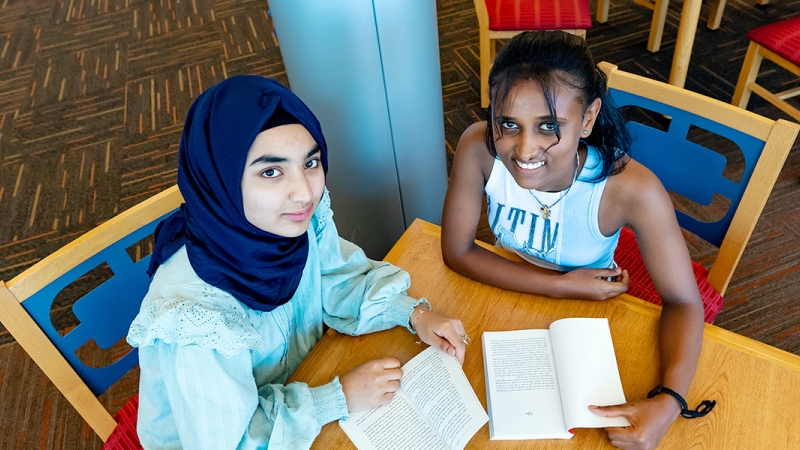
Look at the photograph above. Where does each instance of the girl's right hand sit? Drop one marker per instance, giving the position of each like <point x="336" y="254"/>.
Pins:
<point x="371" y="384"/>
<point x="594" y="284"/>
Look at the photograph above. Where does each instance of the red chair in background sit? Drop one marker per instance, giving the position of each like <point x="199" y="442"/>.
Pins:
<point x="780" y="43"/>
<point x="504" y="19"/>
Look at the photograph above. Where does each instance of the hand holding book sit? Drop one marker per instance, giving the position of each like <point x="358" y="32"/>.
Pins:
<point x="650" y="419"/>
<point x="539" y="383"/>
<point x="440" y="331"/>
<point x="435" y="408"/>
<point x="371" y="384"/>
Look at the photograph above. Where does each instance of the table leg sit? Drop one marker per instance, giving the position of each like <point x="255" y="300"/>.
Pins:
<point x="683" y="47"/>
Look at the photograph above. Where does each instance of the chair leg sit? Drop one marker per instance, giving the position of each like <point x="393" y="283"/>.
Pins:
<point x="602" y="10"/>
<point x="486" y="60"/>
<point x="657" y="25"/>
<point x="715" y="15"/>
<point x="752" y="62"/>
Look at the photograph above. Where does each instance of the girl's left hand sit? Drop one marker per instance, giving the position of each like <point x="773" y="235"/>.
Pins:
<point x="650" y="419"/>
<point x="443" y="332"/>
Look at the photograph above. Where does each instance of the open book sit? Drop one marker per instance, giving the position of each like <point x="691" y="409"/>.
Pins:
<point x="540" y="383"/>
<point x="435" y="408"/>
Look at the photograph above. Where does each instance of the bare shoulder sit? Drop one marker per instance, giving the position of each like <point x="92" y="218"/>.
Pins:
<point x="472" y="139"/>
<point x="631" y="197"/>
<point x="472" y="150"/>
<point x="635" y="185"/>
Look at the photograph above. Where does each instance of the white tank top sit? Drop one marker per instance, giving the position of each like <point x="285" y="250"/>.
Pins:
<point x="570" y="238"/>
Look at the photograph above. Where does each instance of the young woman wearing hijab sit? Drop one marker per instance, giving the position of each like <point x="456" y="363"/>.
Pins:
<point x="245" y="275"/>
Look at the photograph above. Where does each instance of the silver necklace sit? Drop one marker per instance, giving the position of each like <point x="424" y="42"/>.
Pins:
<point x="545" y="209"/>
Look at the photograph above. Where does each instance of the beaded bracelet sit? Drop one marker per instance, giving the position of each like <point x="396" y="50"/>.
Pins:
<point x="704" y="408"/>
<point x="415" y="316"/>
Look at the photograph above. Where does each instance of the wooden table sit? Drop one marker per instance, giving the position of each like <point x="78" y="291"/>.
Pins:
<point x="757" y="387"/>
<point x="687" y="28"/>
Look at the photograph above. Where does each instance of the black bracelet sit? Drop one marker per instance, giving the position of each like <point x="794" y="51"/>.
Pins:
<point x="704" y="408"/>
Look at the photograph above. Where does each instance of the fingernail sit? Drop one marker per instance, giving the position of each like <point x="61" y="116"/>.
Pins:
<point x="451" y="352"/>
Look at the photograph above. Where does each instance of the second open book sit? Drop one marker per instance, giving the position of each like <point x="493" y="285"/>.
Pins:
<point x="540" y="383"/>
<point x="435" y="409"/>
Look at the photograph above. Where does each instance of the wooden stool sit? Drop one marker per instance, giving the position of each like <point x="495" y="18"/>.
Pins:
<point x="504" y="19"/>
<point x="779" y="43"/>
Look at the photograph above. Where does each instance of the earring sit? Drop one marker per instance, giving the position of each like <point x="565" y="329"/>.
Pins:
<point x="585" y="132"/>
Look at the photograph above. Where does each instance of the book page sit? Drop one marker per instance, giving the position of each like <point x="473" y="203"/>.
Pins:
<point x="521" y="386"/>
<point x="587" y="371"/>
<point x="395" y="426"/>
<point x="435" y="383"/>
<point x="433" y="386"/>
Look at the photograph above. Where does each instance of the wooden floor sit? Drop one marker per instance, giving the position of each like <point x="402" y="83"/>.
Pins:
<point x="92" y="96"/>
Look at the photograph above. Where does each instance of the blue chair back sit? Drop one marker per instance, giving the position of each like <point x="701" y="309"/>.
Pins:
<point x="687" y="168"/>
<point x="698" y="173"/>
<point x="105" y="313"/>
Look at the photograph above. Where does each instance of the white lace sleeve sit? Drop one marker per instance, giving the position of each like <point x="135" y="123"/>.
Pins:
<point x="182" y="309"/>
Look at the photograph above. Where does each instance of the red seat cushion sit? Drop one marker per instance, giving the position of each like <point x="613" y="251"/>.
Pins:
<point x="781" y="37"/>
<point x="530" y="15"/>
<point x="628" y="257"/>
<point x="124" y="436"/>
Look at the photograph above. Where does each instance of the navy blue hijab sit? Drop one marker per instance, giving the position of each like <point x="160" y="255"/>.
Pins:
<point x="260" y="269"/>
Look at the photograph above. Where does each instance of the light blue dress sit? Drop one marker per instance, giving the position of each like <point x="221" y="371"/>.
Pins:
<point x="213" y="371"/>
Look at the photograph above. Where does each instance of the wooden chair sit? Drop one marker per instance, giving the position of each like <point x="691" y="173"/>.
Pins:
<point x="715" y="13"/>
<point x="780" y="43"/>
<point x="696" y="172"/>
<point x="105" y="313"/>
<point x="659" y="8"/>
<point x="504" y="19"/>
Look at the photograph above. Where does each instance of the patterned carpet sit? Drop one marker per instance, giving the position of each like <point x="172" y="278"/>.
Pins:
<point x="92" y="97"/>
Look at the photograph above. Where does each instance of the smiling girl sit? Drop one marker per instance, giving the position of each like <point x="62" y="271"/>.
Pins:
<point x="245" y="275"/>
<point x="552" y="160"/>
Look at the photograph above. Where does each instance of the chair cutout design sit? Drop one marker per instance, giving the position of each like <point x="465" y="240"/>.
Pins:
<point x="105" y="313"/>
<point x="504" y="19"/>
<point x="764" y="143"/>
<point x="780" y="43"/>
